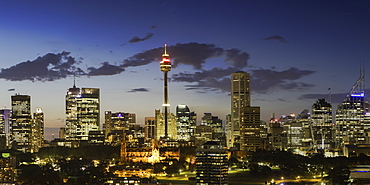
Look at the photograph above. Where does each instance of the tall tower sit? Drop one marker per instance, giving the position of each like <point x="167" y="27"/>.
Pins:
<point x="21" y="122"/>
<point x="82" y="112"/>
<point x="240" y="98"/>
<point x="165" y="66"/>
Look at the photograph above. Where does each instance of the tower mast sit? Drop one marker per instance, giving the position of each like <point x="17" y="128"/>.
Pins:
<point x="165" y="66"/>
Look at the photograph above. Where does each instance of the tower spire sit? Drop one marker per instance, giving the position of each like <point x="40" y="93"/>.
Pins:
<point x="165" y="66"/>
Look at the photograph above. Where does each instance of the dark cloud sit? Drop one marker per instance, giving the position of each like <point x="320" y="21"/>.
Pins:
<point x="265" y="80"/>
<point x="153" y="26"/>
<point x="276" y="37"/>
<point x="46" y="68"/>
<point x="139" y="90"/>
<point x="137" y="39"/>
<point x="335" y="98"/>
<point x="194" y="54"/>
<point x="262" y="80"/>
<point x="237" y="58"/>
<point x="105" y="69"/>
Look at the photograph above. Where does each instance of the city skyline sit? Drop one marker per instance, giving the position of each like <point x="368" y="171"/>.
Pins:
<point x="294" y="51"/>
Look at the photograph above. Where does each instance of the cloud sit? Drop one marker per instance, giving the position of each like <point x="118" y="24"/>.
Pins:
<point x="137" y="39"/>
<point x="153" y="26"/>
<point x="49" y="67"/>
<point x="105" y="69"/>
<point x="335" y="98"/>
<point x="139" y="90"/>
<point x="276" y="37"/>
<point x="266" y="80"/>
<point x="194" y="54"/>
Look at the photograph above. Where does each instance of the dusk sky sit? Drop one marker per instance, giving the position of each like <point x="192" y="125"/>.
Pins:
<point x="294" y="51"/>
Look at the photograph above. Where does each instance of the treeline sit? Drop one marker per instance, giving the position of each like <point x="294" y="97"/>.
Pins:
<point x="278" y="164"/>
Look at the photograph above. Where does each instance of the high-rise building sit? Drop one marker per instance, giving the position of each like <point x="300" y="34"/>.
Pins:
<point x="240" y="98"/>
<point x="250" y="129"/>
<point x="5" y="128"/>
<point x="149" y="128"/>
<point x="82" y="112"/>
<point x="21" y="123"/>
<point x="245" y="119"/>
<point x="322" y="125"/>
<point x="116" y="123"/>
<point x="211" y="164"/>
<point x="214" y="122"/>
<point x="37" y="138"/>
<point x="161" y="128"/>
<point x="186" y="122"/>
<point x="350" y="116"/>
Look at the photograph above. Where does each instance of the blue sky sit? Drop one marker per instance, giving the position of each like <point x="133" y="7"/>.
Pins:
<point x="294" y="50"/>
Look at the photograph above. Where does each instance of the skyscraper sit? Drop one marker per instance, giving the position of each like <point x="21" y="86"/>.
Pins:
<point x="160" y="126"/>
<point x="186" y="122"/>
<point x="149" y="128"/>
<point x="245" y="120"/>
<point x="21" y="122"/>
<point x="37" y="130"/>
<point x="116" y="123"/>
<point x="212" y="164"/>
<point x="5" y="128"/>
<point x="321" y="124"/>
<point x="350" y="116"/>
<point x="82" y="112"/>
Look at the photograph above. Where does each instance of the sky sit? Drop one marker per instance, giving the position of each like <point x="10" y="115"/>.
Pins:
<point x="295" y="52"/>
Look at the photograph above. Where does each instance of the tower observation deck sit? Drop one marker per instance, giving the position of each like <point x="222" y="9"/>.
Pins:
<point x="165" y="66"/>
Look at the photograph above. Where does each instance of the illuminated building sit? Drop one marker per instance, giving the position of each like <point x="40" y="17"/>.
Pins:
<point x="322" y="124"/>
<point x="250" y="129"/>
<point x="165" y="66"/>
<point x="186" y="122"/>
<point x="211" y="164"/>
<point x="5" y="128"/>
<point x="203" y="133"/>
<point x="115" y="124"/>
<point x="149" y="128"/>
<point x="8" y="165"/>
<point x="21" y="123"/>
<point x="350" y="117"/>
<point x="82" y="112"/>
<point x="240" y="99"/>
<point x="160" y="126"/>
<point x="37" y="130"/>
<point x="214" y="122"/>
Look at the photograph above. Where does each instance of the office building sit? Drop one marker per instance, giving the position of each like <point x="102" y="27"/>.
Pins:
<point x="186" y="122"/>
<point x="240" y="98"/>
<point x="211" y="164"/>
<point x="161" y="127"/>
<point x="350" y="117"/>
<point x="116" y="123"/>
<point x="82" y="112"/>
<point x="250" y="129"/>
<point x="5" y="128"/>
<point x="37" y="138"/>
<point x="322" y="125"/>
<point x="21" y="128"/>
<point x="149" y="128"/>
<point x="8" y="171"/>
